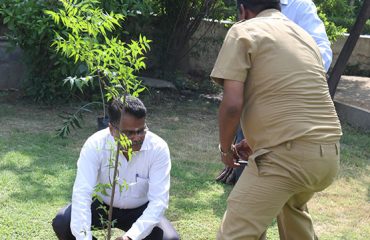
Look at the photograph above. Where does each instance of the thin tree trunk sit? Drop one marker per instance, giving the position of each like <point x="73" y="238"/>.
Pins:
<point x="109" y="230"/>
<point x="102" y="94"/>
<point x="348" y="47"/>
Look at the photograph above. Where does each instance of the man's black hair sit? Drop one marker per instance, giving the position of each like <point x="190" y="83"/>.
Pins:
<point x="258" y="6"/>
<point x="132" y="106"/>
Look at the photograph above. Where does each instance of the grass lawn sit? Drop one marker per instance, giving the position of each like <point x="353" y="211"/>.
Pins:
<point x="37" y="172"/>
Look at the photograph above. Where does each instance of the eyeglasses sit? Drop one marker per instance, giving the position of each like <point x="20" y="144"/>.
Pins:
<point x="130" y="133"/>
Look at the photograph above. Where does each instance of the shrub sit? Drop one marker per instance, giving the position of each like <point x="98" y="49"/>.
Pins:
<point x="87" y="36"/>
<point x="342" y="13"/>
<point x="31" y="30"/>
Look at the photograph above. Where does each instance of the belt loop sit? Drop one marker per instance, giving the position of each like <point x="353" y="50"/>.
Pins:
<point x="321" y="150"/>
<point x="288" y="145"/>
<point x="336" y="149"/>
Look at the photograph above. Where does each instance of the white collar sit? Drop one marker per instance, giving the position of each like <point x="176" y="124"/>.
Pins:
<point x="285" y="2"/>
<point x="146" y="145"/>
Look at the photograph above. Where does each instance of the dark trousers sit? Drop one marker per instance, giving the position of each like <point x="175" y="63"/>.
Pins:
<point x="238" y="138"/>
<point x="125" y="218"/>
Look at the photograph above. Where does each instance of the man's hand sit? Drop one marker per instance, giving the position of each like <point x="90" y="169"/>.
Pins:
<point x="123" y="238"/>
<point x="239" y="151"/>
<point x="229" y="160"/>
<point x="242" y="150"/>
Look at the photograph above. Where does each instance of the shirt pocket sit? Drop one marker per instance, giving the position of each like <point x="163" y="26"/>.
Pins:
<point x="138" y="189"/>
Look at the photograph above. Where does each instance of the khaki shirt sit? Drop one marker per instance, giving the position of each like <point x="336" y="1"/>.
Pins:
<point x="286" y="95"/>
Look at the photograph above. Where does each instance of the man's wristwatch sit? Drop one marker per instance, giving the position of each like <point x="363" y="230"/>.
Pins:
<point x="224" y="154"/>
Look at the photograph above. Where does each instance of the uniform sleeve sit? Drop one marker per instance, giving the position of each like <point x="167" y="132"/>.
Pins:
<point x="234" y="58"/>
<point x="307" y="18"/>
<point x="86" y="179"/>
<point x="158" y="195"/>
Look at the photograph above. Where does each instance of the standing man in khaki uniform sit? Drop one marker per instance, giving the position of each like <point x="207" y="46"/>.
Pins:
<point x="274" y="84"/>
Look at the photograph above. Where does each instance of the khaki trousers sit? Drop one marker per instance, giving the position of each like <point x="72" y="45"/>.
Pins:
<point x="279" y="181"/>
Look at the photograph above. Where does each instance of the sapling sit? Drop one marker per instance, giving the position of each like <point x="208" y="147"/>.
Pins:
<point x="88" y="37"/>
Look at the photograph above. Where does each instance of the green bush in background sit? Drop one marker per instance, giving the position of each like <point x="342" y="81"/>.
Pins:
<point x="169" y="23"/>
<point x="87" y="38"/>
<point x="342" y="13"/>
<point x="31" y="30"/>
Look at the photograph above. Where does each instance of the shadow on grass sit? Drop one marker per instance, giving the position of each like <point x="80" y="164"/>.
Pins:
<point x="44" y="166"/>
<point x="196" y="190"/>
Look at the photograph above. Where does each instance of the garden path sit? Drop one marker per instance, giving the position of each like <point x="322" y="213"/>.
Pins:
<point x="354" y="91"/>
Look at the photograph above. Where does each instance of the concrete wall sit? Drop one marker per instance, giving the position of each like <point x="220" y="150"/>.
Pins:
<point x="361" y="53"/>
<point x="203" y="56"/>
<point x="209" y="38"/>
<point x="12" y="69"/>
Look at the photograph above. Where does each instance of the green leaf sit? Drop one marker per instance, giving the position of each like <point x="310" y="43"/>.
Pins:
<point x="6" y="19"/>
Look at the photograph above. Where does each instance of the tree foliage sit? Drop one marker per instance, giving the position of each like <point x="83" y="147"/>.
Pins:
<point x="171" y="22"/>
<point x="177" y="21"/>
<point x="31" y="30"/>
<point x="332" y="30"/>
<point x="341" y="14"/>
<point x="86" y="37"/>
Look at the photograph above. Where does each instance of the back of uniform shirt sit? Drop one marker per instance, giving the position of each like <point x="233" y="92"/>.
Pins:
<point x="286" y="94"/>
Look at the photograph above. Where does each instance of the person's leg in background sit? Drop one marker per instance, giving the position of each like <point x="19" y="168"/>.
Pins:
<point x="239" y="138"/>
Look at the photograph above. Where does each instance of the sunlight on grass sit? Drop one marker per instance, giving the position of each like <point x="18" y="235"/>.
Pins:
<point x="37" y="172"/>
<point x="15" y="160"/>
<point x="343" y="211"/>
<point x="8" y="182"/>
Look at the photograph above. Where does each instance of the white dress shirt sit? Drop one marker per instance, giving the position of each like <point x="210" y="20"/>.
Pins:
<point x="147" y="176"/>
<point x="304" y="14"/>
